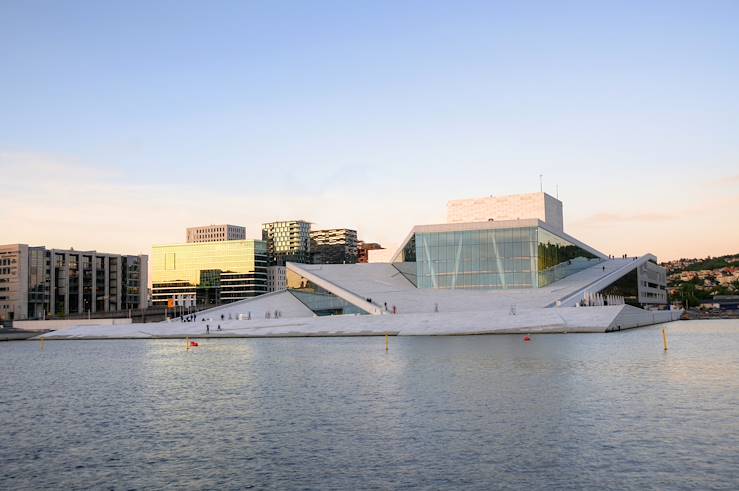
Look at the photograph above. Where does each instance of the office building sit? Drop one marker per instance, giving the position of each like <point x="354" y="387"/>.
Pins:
<point x="287" y="241"/>
<point x="334" y="246"/>
<point x="37" y="283"/>
<point x="215" y="233"/>
<point x="209" y="272"/>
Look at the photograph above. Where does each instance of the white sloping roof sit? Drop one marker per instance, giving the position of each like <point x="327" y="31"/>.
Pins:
<point x="284" y="301"/>
<point x="384" y="284"/>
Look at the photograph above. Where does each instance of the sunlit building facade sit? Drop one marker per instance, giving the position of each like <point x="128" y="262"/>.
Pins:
<point x="44" y="283"/>
<point x="211" y="272"/>
<point x="215" y="233"/>
<point x="287" y="241"/>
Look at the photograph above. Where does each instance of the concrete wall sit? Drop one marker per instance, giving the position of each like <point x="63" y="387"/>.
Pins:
<point x="64" y="323"/>
<point x="650" y="274"/>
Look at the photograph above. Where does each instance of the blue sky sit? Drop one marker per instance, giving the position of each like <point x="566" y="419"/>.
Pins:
<point x="122" y="123"/>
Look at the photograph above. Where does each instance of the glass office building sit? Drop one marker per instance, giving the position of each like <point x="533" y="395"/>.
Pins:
<point x="491" y="258"/>
<point x="210" y="272"/>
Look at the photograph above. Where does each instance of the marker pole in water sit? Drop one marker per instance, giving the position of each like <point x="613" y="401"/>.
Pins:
<point x="387" y="343"/>
<point x="664" y="337"/>
<point x="41" y="344"/>
<point x="187" y="343"/>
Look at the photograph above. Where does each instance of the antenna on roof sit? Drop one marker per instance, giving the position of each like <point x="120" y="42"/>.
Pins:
<point x="541" y="183"/>
<point x="557" y="188"/>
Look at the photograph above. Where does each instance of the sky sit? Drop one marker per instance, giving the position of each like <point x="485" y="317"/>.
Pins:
<point x="122" y="123"/>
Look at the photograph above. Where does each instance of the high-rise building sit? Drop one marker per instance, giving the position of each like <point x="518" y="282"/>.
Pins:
<point x="209" y="272"/>
<point x="363" y="249"/>
<point x="287" y="241"/>
<point x="334" y="246"/>
<point x="215" y="233"/>
<point x="36" y="282"/>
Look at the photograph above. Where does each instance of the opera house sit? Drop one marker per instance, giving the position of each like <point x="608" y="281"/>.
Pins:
<point x="498" y="265"/>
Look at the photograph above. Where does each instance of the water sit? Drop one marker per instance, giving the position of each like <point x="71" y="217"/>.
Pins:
<point x="610" y="411"/>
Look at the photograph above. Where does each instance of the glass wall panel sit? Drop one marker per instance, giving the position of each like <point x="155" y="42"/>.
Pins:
<point x="524" y="257"/>
<point x="474" y="259"/>
<point x="320" y="301"/>
<point x="558" y="258"/>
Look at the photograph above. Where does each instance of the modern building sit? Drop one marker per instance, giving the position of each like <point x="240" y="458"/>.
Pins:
<point x="37" y="283"/>
<point x="518" y="267"/>
<point x="276" y="278"/>
<point x="210" y="272"/>
<point x="516" y="273"/>
<point x="334" y="246"/>
<point x="215" y="233"/>
<point x="363" y="249"/>
<point x="287" y="241"/>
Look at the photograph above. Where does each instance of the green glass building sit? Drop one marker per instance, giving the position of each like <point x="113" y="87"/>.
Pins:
<point x="209" y="272"/>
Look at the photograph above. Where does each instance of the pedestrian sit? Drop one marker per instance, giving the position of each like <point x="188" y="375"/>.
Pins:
<point x="222" y="317"/>
<point x="218" y="328"/>
<point x="604" y="268"/>
<point x="207" y="329"/>
<point x="385" y="306"/>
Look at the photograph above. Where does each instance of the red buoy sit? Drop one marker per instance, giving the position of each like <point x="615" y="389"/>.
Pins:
<point x="526" y="338"/>
<point x="194" y="343"/>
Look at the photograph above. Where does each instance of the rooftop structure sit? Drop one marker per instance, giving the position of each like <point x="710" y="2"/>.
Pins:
<point x="215" y="233"/>
<point x="513" y="207"/>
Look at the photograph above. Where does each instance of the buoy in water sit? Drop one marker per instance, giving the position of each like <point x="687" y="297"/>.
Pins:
<point x="526" y="338"/>
<point x="194" y="343"/>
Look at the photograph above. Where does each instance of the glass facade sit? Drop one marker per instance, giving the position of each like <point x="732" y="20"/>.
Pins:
<point x="213" y="272"/>
<point x="500" y="258"/>
<point x="287" y="242"/>
<point x="558" y="258"/>
<point x="320" y="301"/>
<point x="38" y="282"/>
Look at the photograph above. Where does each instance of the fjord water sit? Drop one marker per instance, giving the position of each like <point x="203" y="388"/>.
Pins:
<point x="611" y="411"/>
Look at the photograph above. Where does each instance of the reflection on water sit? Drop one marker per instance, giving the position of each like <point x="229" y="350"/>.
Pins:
<point x="611" y="411"/>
